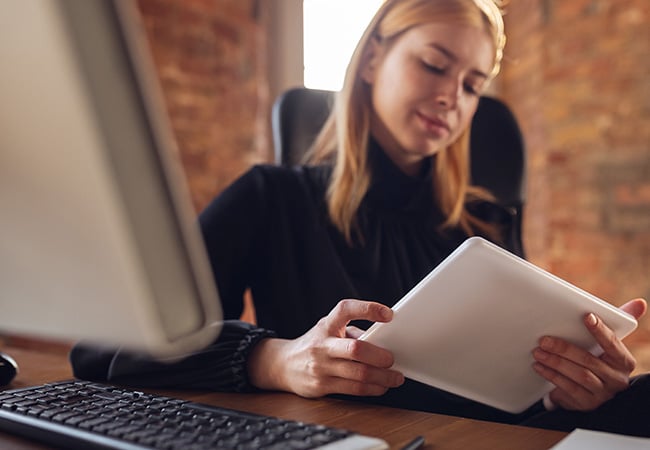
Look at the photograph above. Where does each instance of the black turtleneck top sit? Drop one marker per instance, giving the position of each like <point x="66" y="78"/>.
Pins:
<point x="270" y="232"/>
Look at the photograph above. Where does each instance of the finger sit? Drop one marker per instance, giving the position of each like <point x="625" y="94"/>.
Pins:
<point x="355" y="371"/>
<point x="335" y="385"/>
<point x="568" y="394"/>
<point x="361" y="351"/>
<point x="577" y="371"/>
<point x="562" y="399"/>
<point x="558" y="353"/>
<point x="615" y="353"/>
<point x="351" y="309"/>
<point x="571" y="377"/>
<point x="636" y="308"/>
<point x="613" y="367"/>
<point x="580" y="366"/>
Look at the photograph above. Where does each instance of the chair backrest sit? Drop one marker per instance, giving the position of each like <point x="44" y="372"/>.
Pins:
<point x="497" y="147"/>
<point x="297" y="117"/>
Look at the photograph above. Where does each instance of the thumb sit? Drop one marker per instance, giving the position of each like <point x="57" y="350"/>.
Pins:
<point x="637" y="307"/>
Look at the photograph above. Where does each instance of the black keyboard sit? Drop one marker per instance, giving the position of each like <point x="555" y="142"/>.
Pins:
<point x="87" y="415"/>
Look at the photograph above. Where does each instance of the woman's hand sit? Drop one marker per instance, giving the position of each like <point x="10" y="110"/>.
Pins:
<point x="328" y="358"/>
<point x="584" y="381"/>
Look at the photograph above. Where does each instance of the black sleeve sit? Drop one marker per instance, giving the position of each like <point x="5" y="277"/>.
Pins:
<point x="219" y="367"/>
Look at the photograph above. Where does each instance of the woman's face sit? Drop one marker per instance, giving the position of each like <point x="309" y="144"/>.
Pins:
<point x="425" y="89"/>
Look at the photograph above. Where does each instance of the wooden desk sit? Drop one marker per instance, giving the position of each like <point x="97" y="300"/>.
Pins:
<point x="396" y="426"/>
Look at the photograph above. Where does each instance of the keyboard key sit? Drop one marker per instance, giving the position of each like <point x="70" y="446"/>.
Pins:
<point x="133" y="417"/>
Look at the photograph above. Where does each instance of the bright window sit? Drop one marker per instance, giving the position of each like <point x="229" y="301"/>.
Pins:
<point x="332" y="29"/>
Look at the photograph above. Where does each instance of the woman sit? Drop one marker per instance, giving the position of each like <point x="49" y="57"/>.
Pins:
<point x="385" y="199"/>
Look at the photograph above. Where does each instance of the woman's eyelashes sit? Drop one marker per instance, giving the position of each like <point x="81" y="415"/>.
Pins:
<point x="438" y="69"/>
<point x="472" y="89"/>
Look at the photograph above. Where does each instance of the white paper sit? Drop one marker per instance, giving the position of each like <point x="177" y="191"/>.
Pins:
<point x="598" y="440"/>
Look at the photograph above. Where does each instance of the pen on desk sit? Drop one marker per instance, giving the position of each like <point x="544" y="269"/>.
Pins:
<point x="414" y="444"/>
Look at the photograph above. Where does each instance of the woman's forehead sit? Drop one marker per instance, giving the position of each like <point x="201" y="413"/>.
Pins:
<point x="465" y="43"/>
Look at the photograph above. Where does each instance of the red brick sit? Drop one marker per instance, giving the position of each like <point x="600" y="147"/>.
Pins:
<point x="208" y="58"/>
<point x="579" y="87"/>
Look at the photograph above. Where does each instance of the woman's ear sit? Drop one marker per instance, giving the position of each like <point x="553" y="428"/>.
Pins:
<point x="370" y="60"/>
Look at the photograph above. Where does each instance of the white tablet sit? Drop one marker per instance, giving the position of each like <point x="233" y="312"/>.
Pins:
<point x="469" y="327"/>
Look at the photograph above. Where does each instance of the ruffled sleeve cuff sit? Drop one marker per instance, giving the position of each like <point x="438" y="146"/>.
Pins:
<point x="219" y="367"/>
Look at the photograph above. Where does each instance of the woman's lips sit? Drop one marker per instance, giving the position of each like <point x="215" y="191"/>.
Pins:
<point x="434" y="124"/>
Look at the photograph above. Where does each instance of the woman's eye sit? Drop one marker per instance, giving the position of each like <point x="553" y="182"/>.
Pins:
<point x="471" y="89"/>
<point x="474" y="87"/>
<point x="433" y="68"/>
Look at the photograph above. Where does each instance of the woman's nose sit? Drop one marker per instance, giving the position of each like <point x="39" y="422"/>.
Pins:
<point x="447" y="93"/>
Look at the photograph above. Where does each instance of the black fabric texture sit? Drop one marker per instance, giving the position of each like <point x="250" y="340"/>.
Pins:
<point x="218" y="367"/>
<point x="627" y="413"/>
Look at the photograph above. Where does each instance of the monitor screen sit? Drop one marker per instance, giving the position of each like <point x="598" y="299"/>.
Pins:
<point x="98" y="239"/>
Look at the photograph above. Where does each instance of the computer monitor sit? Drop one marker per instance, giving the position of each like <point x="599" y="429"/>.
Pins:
<point x="98" y="240"/>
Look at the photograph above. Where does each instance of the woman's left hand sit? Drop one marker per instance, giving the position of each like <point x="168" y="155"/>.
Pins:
<point x="584" y="381"/>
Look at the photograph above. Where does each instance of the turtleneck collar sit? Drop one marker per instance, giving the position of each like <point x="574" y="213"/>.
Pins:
<point x="392" y="189"/>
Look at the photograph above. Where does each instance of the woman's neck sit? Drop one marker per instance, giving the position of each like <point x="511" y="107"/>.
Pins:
<point x="410" y="165"/>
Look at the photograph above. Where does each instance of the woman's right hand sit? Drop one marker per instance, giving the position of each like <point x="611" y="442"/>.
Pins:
<point x="328" y="359"/>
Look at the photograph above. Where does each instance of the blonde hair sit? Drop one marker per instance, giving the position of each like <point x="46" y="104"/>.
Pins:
<point x="344" y="137"/>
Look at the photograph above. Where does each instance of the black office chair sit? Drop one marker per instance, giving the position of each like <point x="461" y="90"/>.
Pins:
<point x="496" y="146"/>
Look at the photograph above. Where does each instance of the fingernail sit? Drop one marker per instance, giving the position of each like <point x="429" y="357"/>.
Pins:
<point x="546" y="343"/>
<point x="386" y="313"/>
<point x="540" y="354"/>
<point x="592" y="320"/>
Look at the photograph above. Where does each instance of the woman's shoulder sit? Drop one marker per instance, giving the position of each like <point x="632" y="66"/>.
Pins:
<point x="274" y="177"/>
<point x="266" y="190"/>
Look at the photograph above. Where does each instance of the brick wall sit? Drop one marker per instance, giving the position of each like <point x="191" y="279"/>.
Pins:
<point x="214" y="80"/>
<point x="578" y="77"/>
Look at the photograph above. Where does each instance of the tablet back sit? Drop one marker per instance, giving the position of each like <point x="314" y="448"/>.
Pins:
<point x="469" y="327"/>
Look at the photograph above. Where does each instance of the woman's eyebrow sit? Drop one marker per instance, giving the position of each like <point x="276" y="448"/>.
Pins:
<point x="451" y="55"/>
